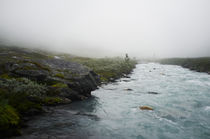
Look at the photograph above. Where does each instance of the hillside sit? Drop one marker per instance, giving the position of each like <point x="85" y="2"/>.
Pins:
<point x="31" y="79"/>
<point x="198" y="64"/>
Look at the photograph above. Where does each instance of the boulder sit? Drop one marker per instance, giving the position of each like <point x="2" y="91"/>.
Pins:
<point x="69" y="93"/>
<point x="146" y="108"/>
<point x="39" y="75"/>
<point x="10" y="66"/>
<point x="154" y="93"/>
<point x="128" y="89"/>
<point x="84" y="85"/>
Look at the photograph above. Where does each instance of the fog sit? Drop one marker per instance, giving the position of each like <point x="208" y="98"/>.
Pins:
<point x="98" y="28"/>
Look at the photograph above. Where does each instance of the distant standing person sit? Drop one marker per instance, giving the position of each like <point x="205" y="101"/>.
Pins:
<point x="126" y="57"/>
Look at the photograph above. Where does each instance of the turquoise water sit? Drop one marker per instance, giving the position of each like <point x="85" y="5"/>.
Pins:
<point x="181" y="108"/>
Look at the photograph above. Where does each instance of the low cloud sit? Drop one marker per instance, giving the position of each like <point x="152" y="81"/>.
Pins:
<point x="97" y="28"/>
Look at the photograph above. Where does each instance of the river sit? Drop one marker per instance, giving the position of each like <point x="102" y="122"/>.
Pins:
<point x="180" y="99"/>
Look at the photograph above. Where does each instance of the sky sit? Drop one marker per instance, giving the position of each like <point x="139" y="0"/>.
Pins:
<point x="99" y="28"/>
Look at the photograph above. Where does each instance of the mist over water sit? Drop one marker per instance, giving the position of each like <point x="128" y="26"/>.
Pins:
<point x="142" y="28"/>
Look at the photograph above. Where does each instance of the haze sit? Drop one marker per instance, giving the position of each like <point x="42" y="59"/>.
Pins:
<point x="98" y="28"/>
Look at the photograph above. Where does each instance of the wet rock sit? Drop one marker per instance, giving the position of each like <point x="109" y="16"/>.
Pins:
<point x="126" y="76"/>
<point x="66" y="101"/>
<point x="81" y="97"/>
<point x="146" y="108"/>
<point x="128" y="89"/>
<point x="154" y="93"/>
<point x="69" y="93"/>
<point x="84" y="85"/>
<point x="126" y="80"/>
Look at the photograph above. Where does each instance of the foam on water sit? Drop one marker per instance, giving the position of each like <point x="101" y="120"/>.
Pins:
<point x="207" y="108"/>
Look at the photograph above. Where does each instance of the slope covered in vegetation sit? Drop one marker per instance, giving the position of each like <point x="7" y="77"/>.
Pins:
<point x="198" y="64"/>
<point x="30" y="79"/>
<point x="109" y="69"/>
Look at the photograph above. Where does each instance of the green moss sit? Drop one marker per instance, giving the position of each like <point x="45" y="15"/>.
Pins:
<point x="40" y="65"/>
<point x="23" y="104"/>
<point x="16" y="101"/>
<point x="50" y="56"/>
<point x="103" y="79"/>
<point x="107" y="75"/>
<point x="60" y="75"/>
<point x="9" y="120"/>
<point x="108" y="68"/>
<point x="26" y="57"/>
<point x="59" y="85"/>
<point x="52" y="100"/>
<point x="5" y="76"/>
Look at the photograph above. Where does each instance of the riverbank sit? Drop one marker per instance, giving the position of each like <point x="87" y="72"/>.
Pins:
<point x="197" y="64"/>
<point x="181" y="108"/>
<point x="31" y="79"/>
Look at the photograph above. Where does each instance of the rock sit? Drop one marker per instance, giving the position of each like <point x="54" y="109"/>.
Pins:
<point x="66" y="101"/>
<point x="57" y="57"/>
<point x="154" y="93"/>
<point x="82" y="97"/>
<point x="128" y="89"/>
<point x="146" y="108"/>
<point x="58" y="64"/>
<point x="126" y="76"/>
<point x="39" y="75"/>
<point x="69" y="93"/>
<point x="126" y="80"/>
<point x="84" y="85"/>
<point x="9" y="66"/>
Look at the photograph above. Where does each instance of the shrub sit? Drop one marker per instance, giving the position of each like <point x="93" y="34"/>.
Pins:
<point x="60" y="85"/>
<point x="108" y="68"/>
<point x="59" y="75"/>
<point x="21" y="93"/>
<point x="23" y="85"/>
<point x="52" y="100"/>
<point x="9" y="120"/>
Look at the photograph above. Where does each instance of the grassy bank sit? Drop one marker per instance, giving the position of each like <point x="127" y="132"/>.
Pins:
<point x="30" y="80"/>
<point x="197" y="64"/>
<point x="109" y="69"/>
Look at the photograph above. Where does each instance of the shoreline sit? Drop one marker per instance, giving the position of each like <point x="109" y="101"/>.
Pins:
<point x="30" y="80"/>
<point x="201" y="64"/>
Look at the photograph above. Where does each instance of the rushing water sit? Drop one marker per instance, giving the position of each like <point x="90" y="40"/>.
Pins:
<point x="181" y="108"/>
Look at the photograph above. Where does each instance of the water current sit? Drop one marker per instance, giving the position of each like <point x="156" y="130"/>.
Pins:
<point x="180" y="99"/>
